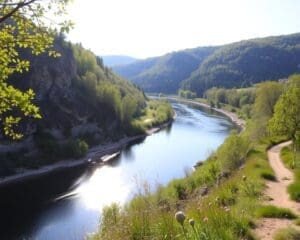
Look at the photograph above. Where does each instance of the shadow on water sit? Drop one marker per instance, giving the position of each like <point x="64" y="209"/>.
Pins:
<point x="21" y="202"/>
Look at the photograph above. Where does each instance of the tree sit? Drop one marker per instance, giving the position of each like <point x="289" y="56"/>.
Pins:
<point x="286" y="118"/>
<point x="129" y="108"/>
<point x="24" y="25"/>
<point x="267" y="95"/>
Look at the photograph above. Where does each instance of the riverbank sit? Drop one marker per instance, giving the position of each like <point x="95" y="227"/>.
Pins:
<point x="94" y="155"/>
<point x="232" y="116"/>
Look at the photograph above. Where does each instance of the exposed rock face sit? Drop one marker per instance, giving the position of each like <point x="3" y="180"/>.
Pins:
<point x="64" y="112"/>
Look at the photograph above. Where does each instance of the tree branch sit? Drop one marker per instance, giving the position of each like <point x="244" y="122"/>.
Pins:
<point x="15" y="9"/>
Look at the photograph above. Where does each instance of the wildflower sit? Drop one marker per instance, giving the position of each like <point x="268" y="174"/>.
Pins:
<point x="192" y="222"/>
<point x="244" y="178"/>
<point x="210" y="203"/>
<point x="205" y="219"/>
<point x="180" y="217"/>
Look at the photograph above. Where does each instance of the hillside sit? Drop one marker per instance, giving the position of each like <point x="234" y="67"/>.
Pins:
<point x="165" y="73"/>
<point x="233" y="65"/>
<point x="116" y="60"/>
<point x="244" y="63"/>
<point x="79" y="99"/>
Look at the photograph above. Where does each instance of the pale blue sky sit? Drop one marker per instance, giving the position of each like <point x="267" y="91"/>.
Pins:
<point x="146" y="28"/>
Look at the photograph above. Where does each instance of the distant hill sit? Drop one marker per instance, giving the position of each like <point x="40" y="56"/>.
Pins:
<point x="231" y="65"/>
<point x="165" y="73"/>
<point x="244" y="63"/>
<point x="115" y="60"/>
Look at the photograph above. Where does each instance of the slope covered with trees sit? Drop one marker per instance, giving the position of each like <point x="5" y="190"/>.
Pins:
<point x="244" y="63"/>
<point x="81" y="103"/>
<point x="165" y="73"/>
<point x="238" y="65"/>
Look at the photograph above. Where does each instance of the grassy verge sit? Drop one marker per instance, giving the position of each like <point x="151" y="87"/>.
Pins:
<point x="287" y="234"/>
<point x="288" y="159"/>
<point x="219" y="199"/>
<point x="270" y="211"/>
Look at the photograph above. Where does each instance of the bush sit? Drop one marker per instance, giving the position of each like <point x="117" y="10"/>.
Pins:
<point x="270" y="211"/>
<point x="233" y="152"/>
<point x="76" y="148"/>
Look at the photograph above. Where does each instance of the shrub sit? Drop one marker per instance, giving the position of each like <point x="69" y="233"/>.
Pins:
<point x="76" y="148"/>
<point x="233" y="152"/>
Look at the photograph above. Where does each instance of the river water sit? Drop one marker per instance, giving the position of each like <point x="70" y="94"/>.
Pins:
<point x="80" y="194"/>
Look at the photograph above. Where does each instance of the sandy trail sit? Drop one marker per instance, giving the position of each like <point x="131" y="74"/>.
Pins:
<point x="277" y="191"/>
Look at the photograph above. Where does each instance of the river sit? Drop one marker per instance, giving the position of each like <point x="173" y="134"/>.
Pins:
<point x="67" y="205"/>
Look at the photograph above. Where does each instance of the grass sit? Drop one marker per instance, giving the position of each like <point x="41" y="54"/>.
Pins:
<point x="287" y="234"/>
<point x="226" y="212"/>
<point x="288" y="159"/>
<point x="270" y="211"/>
<point x="297" y="221"/>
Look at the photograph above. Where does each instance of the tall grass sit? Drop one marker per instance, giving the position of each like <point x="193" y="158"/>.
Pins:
<point x="270" y="211"/>
<point x="287" y="234"/>
<point x="287" y="156"/>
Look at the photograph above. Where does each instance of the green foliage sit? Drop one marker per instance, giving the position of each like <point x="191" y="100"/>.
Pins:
<point x="23" y="26"/>
<point x="294" y="191"/>
<point x="239" y="147"/>
<point x="286" y="119"/>
<point x="270" y="211"/>
<point x="156" y="113"/>
<point x="234" y="100"/>
<point x="289" y="159"/>
<point x="267" y="94"/>
<point x="238" y="65"/>
<point x="164" y="74"/>
<point x="245" y="63"/>
<point x="292" y="161"/>
<point x="99" y="87"/>
<point x="186" y="94"/>
<point x="53" y="150"/>
<point x="76" y="148"/>
<point x="287" y="234"/>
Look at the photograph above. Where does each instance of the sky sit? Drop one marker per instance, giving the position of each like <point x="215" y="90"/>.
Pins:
<point x="147" y="28"/>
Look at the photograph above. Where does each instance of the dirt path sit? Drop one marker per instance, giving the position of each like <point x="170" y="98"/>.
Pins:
<point x="277" y="191"/>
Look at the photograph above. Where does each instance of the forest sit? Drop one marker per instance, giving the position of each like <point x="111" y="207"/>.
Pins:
<point x="234" y="65"/>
